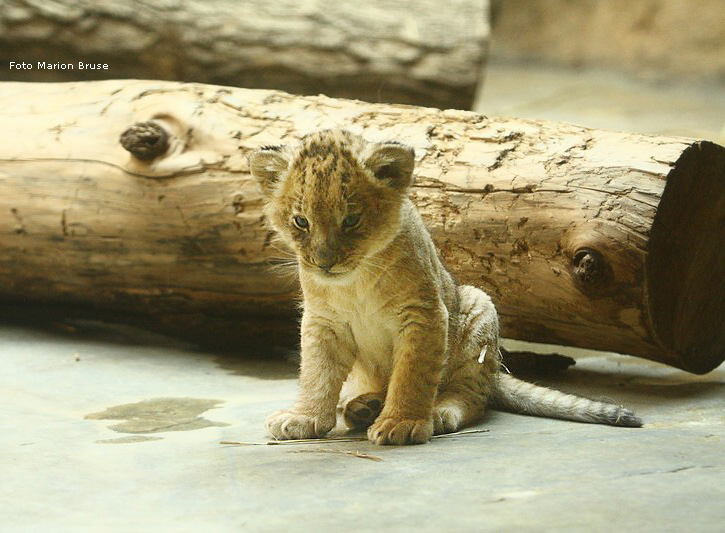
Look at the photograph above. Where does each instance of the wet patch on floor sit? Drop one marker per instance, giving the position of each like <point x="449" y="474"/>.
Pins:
<point x="159" y="415"/>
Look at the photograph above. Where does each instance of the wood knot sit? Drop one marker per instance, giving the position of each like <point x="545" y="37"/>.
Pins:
<point x="590" y="267"/>
<point x="145" y="140"/>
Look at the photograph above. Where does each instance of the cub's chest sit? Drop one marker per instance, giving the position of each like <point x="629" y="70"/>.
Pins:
<point x="373" y="324"/>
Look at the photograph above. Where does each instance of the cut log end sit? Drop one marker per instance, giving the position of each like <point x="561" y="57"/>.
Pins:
<point x="685" y="267"/>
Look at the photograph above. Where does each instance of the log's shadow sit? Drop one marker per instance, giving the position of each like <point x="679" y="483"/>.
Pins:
<point x="263" y="362"/>
<point x="257" y="354"/>
<point x="184" y="331"/>
<point x="635" y="386"/>
<point x="71" y="322"/>
<point x="261" y="355"/>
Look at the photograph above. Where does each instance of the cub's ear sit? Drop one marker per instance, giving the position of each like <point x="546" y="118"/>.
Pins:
<point x="267" y="165"/>
<point x="392" y="163"/>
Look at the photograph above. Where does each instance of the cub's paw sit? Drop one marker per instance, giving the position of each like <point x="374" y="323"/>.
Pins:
<point x="285" y="425"/>
<point x="446" y="419"/>
<point x="400" y="431"/>
<point x="362" y="411"/>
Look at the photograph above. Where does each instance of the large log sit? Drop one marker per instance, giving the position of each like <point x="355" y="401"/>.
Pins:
<point x="589" y="238"/>
<point x="377" y="50"/>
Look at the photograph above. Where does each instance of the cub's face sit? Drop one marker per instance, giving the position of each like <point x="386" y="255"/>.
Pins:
<point x="335" y="199"/>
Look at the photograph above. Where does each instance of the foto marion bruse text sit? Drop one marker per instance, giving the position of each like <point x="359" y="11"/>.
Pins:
<point x="43" y="65"/>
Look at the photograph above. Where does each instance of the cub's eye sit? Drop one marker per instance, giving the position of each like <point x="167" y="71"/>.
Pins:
<point x="300" y="222"/>
<point x="350" y="221"/>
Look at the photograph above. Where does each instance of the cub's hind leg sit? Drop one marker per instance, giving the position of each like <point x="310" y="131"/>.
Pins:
<point x="361" y="399"/>
<point x="362" y="410"/>
<point x="454" y="410"/>
<point x="469" y="378"/>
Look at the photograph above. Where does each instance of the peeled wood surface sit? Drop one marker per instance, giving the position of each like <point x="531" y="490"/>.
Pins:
<point x="418" y="52"/>
<point x="589" y="238"/>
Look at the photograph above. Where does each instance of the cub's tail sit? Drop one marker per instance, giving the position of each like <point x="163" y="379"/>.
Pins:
<point x="512" y="394"/>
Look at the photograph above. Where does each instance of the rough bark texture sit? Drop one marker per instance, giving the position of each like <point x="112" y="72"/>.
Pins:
<point x="377" y="50"/>
<point x="590" y="238"/>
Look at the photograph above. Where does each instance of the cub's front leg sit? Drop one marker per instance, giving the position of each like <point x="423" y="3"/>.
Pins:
<point x="327" y="354"/>
<point x="418" y="357"/>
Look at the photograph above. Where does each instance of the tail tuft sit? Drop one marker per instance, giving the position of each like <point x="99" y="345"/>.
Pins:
<point x="626" y="418"/>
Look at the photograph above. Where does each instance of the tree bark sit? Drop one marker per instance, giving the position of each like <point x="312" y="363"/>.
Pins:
<point x="377" y="50"/>
<point x="590" y="238"/>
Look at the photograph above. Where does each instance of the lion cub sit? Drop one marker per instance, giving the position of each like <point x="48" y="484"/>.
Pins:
<point x="386" y="332"/>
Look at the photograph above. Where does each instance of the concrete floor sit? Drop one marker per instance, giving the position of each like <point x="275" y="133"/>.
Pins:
<point x="108" y="428"/>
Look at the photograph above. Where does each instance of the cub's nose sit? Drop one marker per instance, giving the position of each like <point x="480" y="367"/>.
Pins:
<point x="325" y="259"/>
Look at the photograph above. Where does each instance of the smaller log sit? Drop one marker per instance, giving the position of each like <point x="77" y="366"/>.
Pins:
<point x="379" y="50"/>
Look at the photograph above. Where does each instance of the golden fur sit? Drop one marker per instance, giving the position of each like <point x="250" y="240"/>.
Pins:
<point x="386" y="332"/>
